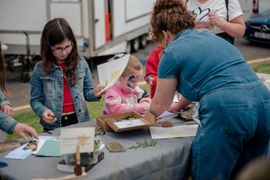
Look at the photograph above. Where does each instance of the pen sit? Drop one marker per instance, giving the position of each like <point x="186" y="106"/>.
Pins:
<point x="49" y="132"/>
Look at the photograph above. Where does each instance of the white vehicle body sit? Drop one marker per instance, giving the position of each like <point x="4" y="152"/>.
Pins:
<point x="101" y="27"/>
<point x="250" y="7"/>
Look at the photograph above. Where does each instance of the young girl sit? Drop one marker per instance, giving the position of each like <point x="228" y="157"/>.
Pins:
<point x="7" y="123"/>
<point x="125" y="95"/>
<point x="62" y="81"/>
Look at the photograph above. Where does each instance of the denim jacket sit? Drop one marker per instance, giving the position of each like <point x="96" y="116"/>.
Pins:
<point x="47" y="92"/>
<point x="7" y="123"/>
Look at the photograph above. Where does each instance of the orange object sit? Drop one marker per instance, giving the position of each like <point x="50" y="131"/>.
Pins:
<point x="107" y="26"/>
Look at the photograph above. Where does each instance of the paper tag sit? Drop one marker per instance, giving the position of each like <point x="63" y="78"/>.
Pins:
<point x="129" y="123"/>
<point x="115" y="146"/>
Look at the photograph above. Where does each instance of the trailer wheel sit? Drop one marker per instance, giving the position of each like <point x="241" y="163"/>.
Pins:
<point x="135" y="45"/>
<point x="26" y="75"/>
<point x="143" y="41"/>
<point x="128" y="47"/>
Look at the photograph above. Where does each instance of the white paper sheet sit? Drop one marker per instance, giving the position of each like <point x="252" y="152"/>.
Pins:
<point x="109" y="73"/>
<point x="166" y="115"/>
<point x="70" y="137"/>
<point x="176" y="98"/>
<point x="173" y="132"/>
<point x="19" y="153"/>
<point x="129" y="123"/>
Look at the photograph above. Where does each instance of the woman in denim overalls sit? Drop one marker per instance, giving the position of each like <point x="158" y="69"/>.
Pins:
<point x="234" y="104"/>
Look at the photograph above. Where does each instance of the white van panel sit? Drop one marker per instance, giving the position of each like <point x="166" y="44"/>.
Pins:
<point x="127" y="20"/>
<point x="99" y="23"/>
<point x="138" y="8"/>
<point x="71" y="12"/>
<point x="25" y="19"/>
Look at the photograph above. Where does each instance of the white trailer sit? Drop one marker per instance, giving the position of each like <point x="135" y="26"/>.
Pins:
<point x="250" y="7"/>
<point x="101" y="27"/>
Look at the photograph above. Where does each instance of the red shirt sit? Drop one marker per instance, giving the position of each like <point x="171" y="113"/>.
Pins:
<point x="68" y="105"/>
<point x="152" y="67"/>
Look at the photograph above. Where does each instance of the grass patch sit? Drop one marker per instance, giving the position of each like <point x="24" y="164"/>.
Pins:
<point x="262" y="67"/>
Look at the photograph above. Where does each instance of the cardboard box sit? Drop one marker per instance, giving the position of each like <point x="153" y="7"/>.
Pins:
<point x="114" y="122"/>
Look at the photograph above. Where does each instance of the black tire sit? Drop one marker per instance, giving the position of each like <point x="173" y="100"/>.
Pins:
<point x="128" y="47"/>
<point x="135" y="45"/>
<point x="143" y="41"/>
<point x="26" y="76"/>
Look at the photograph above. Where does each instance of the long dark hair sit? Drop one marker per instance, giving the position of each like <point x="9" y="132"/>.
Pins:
<point x="3" y="85"/>
<point x="55" y="32"/>
<point x="170" y="15"/>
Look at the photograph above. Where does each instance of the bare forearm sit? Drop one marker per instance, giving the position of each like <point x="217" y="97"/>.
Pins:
<point x="233" y="29"/>
<point x="157" y="108"/>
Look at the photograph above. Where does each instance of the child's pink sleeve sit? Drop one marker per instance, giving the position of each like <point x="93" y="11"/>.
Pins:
<point x="114" y="105"/>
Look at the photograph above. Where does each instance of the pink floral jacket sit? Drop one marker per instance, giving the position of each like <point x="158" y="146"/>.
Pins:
<point x="120" y="98"/>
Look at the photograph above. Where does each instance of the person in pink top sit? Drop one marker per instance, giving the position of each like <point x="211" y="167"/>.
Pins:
<point x="125" y="95"/>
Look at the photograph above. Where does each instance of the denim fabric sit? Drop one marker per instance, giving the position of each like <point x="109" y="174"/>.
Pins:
<point x="235" y="128"/>
<point x="234" y="104"/>
<point x="47" y="92"/>
<point x="198" y="59"/>
<point x="7" y="123"/>
<point x="3" y="99"/>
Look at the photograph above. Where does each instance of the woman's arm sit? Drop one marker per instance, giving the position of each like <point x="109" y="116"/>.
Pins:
<point x="236" y="27"/>
<point x="163" y="96"/>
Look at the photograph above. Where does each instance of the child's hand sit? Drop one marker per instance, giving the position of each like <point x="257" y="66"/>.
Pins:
<point x="145" y="106"/>
<point x="97" y="90"/>
<point x="8" y="109"/>
<point x="149" y="80"/>
<point x="48" y="116"/>
<point x="21" y="130"/>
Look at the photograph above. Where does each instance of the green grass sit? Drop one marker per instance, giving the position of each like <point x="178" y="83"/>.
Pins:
<point x="262" y="67"/>
<point x="30" y="118"/>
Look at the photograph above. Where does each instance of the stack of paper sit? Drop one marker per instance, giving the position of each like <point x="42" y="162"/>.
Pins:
<point x="51" y="148"/>
<point x="173" y="132"/>
<point x="47" y="146"/>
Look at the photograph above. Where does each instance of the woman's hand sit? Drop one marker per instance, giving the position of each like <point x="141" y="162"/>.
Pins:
<point x="215" y="19"/>
<point x="175" y="107"/>
<point x="20" y="129"/>
<point x="203" y="25"/>
<point x="8" y="110"/>
<point x="48" y="116"/>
